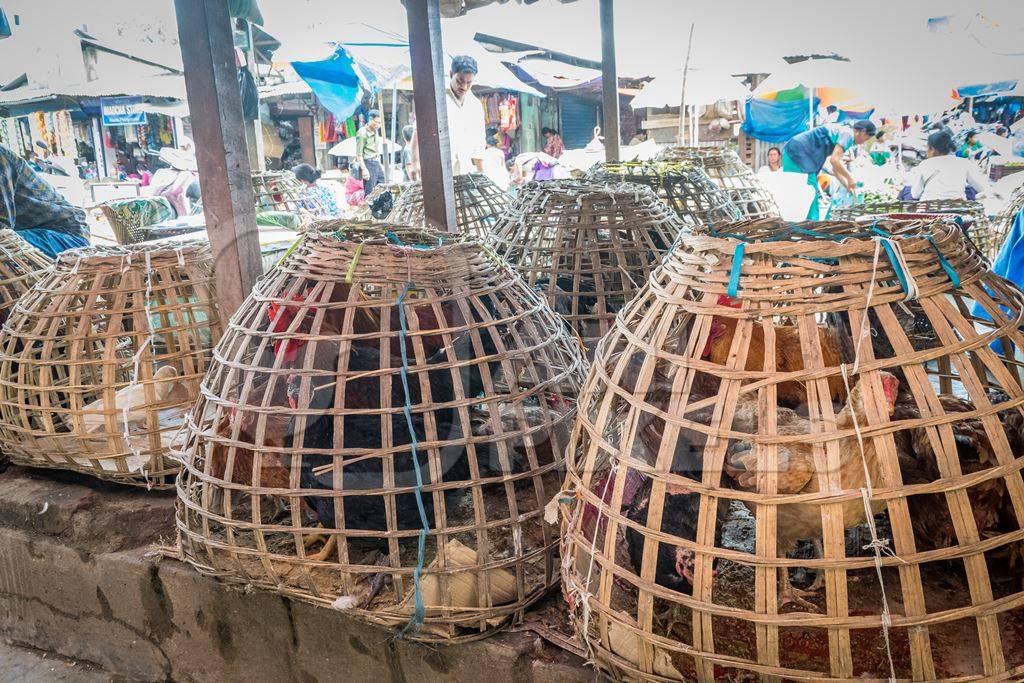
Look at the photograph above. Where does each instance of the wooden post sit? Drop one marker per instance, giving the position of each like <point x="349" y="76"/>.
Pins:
<point x="609" y="82"/>
<point x="428" y="76"/>
<point x="211" y="80"/>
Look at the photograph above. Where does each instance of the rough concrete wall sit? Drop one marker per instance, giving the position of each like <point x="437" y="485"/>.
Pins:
<point x="80" y="579"/>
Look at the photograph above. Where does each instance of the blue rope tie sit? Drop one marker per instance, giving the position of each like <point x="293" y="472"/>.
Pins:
<point x="954" y="277"/>
<point x="420" y="610"/>
<point x="737" y="266"/>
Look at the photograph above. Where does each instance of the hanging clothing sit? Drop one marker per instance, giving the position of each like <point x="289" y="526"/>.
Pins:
<point x="508" y="114"/>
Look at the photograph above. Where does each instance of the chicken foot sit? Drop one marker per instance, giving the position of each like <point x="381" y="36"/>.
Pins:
<point x="330" y="542"/>
<point x="790" y="594"/>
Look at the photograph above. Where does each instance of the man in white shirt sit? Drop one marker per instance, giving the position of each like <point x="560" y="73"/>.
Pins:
<point x="943" y="175"/>
<point x="465" y="117"/>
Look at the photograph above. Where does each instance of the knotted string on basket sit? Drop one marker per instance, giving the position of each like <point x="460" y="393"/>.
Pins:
<point x="417" y="593"/>
<point x="137" y="358"/>
<point x="877" y="545"/>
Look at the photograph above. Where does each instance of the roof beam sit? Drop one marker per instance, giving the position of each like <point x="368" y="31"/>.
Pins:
<point x="516" y="46"/>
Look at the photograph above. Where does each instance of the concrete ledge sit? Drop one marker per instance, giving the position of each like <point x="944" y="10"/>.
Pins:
<point x="77" y="578"/>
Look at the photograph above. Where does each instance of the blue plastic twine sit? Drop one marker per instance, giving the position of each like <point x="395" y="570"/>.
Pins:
<point x="417" y="594"/>
<point x="737" y="266"/>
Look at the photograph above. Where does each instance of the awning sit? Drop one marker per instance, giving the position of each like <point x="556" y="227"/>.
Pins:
<point x="702" y="87"/>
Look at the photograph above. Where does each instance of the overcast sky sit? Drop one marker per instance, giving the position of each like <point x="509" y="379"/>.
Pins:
<point x="741" y="35"/>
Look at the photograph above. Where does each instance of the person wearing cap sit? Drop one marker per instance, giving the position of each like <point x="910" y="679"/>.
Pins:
<point x="807" y="153"/>
<point x="368" y="145"/>
<point x="30" y="206"/>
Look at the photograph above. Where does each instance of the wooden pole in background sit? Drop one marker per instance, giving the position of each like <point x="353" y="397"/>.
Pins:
<point x="218" y="130"/>
<point x="682" y="93"/>
<point x="428" y="79"/>
<point x="609" y="82"/>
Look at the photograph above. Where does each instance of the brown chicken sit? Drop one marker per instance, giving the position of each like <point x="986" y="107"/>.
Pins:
<point x="797" y="473"/>
<point x="990" y="502"/>
<point x="788" y="353"/>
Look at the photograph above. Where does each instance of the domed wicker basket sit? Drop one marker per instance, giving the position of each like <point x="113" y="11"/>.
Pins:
<point x="303" y="429"/>
<point x="1004" y="221"/>
<point x="759" y="397"/>
<point x="685" y="187"/>
<point x="99" y="361"/>
<point x="727" y="171"/>
<point x="21" y="265"/>
<point x="282" y="191"/>
<point x="478" y="204"/>
<point x="971" y="214"/>
<point x="588" y="247"/>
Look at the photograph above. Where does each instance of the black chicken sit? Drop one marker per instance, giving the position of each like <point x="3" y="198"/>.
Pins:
<point x="365" y="431"/>
<point x="565" y="290"/>
<point x="675" y="565"/>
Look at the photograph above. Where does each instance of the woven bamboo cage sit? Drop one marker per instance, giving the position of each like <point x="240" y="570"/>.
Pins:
<point x="282" y="191"/>
<point x="728" y="171"/>
<point x="684" y="187"/>
<point x="478" y="204"/>
<point x="1004" y="221"/>
<point x="21" y="265"/>
<point x="302" y="429"/>
<point x="588" y="247"/>
<point x="101" y="359"/>
<point x="970" y="214"/>
<point x="365" y="211"/>
<point x="750" y="406"/>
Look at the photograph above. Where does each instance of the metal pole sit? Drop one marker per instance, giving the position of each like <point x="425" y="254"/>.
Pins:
<point x="810" y="110"/>
<point x="609" y="82"/>
<point x="101" y="154"/>
<point x="254" y="67"/>
<point x="211" y="81"/>
<point x="427" y="59"/>
<point x="682" y="94"/>
<point x="394" y="122"/>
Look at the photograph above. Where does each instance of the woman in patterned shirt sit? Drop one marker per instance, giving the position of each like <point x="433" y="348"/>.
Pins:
<point x="321" y="199"/>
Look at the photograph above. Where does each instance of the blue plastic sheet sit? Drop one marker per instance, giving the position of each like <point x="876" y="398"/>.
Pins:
<point x="1009" y="263"/>
<point x="336" y="82"/>
<point x="774" y="121"/>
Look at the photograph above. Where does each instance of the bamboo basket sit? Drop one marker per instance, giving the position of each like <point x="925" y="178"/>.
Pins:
<point x="99" y="361"/>
<point x="1004" y="221"/>
<point x="364" y="212"/>
<point x="698" y="459"/>
<point x="733" y="176"/>
<point x="303" y="430"/>
<point x="588" y="247"/>
<point x="971" y="216"/>
<point x="478" y="204"/>
<point x="684" y="187"/>
<point x="21" y="265"/>
<point x="282" y="191"/>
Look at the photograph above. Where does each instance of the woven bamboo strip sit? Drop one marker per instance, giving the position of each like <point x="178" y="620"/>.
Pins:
<point x="684" y="426"/>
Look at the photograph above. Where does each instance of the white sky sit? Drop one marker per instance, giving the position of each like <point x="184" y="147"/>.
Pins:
<point x="736" y="36"/>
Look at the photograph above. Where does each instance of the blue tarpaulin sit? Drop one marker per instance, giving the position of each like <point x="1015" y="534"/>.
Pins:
<point x="1009" y="263"/>
<point x="336" y="81"/>
<point x="986" y="88"/>
<point x="774" y="121"/>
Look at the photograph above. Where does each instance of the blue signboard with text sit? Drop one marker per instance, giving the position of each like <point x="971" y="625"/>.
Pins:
<point x="122" y="111"/>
